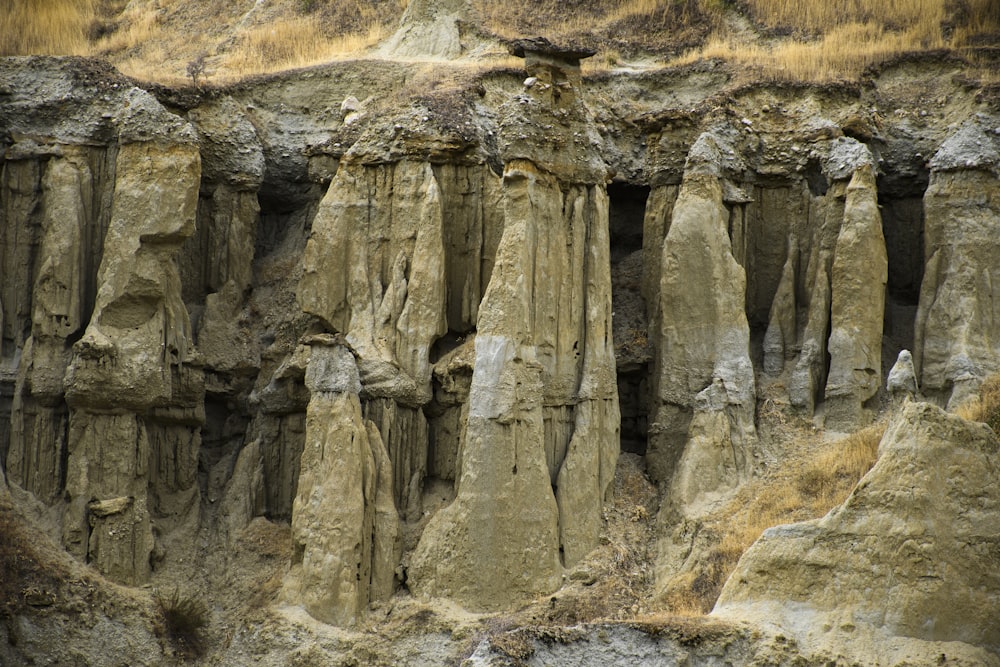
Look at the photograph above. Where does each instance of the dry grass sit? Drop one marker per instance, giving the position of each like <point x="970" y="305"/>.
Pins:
<point x="837" y="39"/>
<point x="818" y="16"/>
<point x="985" y="407"/>
<point x="843" y="52"/>
<point x="45" y="27"/>
<point x="291" y="43"/>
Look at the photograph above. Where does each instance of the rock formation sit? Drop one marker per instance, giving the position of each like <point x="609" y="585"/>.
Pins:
<point x="429" y="28"/>
<point x="344" y="522"/>
<point x="857" y="286"/>
<point x="956" y="341"/>
<point x="543" y="406"/>
<point x="904" y="561"/>
<point x="705" y="339"/>
<point x="359" y="322"/>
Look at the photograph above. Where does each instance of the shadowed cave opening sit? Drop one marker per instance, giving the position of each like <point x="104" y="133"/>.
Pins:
<point x="633" y="352"/>
<point x="901" y="204"/>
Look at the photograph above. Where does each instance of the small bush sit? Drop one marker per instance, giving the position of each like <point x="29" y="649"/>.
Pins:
<point x="184" y="619"/>
<point x="196" y="68"/>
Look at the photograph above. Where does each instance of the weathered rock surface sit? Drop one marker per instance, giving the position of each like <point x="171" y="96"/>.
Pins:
<point x="429" y="28"/>
<point x="179" y="295"/>
<point x="857" y="284"/>
<point x="902" y="380"/>
<point x="956" y="340"/>
<point x="907" y="561"/>
<point x="704" y="336"/>
<point x="344" y="522"/>
<point x="543" y="407"/>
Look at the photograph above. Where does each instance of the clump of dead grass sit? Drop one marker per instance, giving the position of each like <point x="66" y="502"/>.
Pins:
<point x="185" y="618"/>
<point x="985" y="406"/>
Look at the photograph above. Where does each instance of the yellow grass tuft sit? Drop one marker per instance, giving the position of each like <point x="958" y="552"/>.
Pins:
<point x="985" y="407"/>
<point x="45" y="27"/>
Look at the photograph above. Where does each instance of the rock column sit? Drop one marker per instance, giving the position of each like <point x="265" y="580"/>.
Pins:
<point x="136" y="351"/>
<point x="957" y="344"/>
<point x="344" y="522"/>
<point x="542" y="435"/>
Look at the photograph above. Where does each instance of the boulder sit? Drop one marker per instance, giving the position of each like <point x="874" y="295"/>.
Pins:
<point x="902" y="380"/>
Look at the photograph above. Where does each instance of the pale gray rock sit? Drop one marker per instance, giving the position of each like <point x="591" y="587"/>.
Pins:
<point x="902" y="380"/>
<point x="956" y="342"/>
<point x="428" y="29"/>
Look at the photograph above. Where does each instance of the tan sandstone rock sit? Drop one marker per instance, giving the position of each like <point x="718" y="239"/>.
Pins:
<point x="858" y="278"/>
<point x="344" y="522"/>
<point x="957" y="344"/>
<point x="542" y="404"/>
<point x="704" y="335"/>
<point x="133" y="357"/>
<point x="907" y="562"/>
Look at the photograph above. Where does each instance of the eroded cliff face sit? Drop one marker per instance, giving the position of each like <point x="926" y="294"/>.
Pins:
<point x="419" y="333"/>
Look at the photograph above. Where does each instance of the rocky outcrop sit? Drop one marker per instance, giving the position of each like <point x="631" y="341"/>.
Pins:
<point x="904" y="562"/>
<point x="416" y="370"/>
<point x="543" y="399"/>
<point x="344" y="523"/>
<point x="956" y="341"/>
<point x="704" y="340"/>
<point x="136" y="355"/>
<point x="108" y="397"/>
<point x="429" y="28"/>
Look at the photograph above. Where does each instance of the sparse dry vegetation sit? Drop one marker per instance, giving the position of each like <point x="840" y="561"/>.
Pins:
<point x="812" y="40"/>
